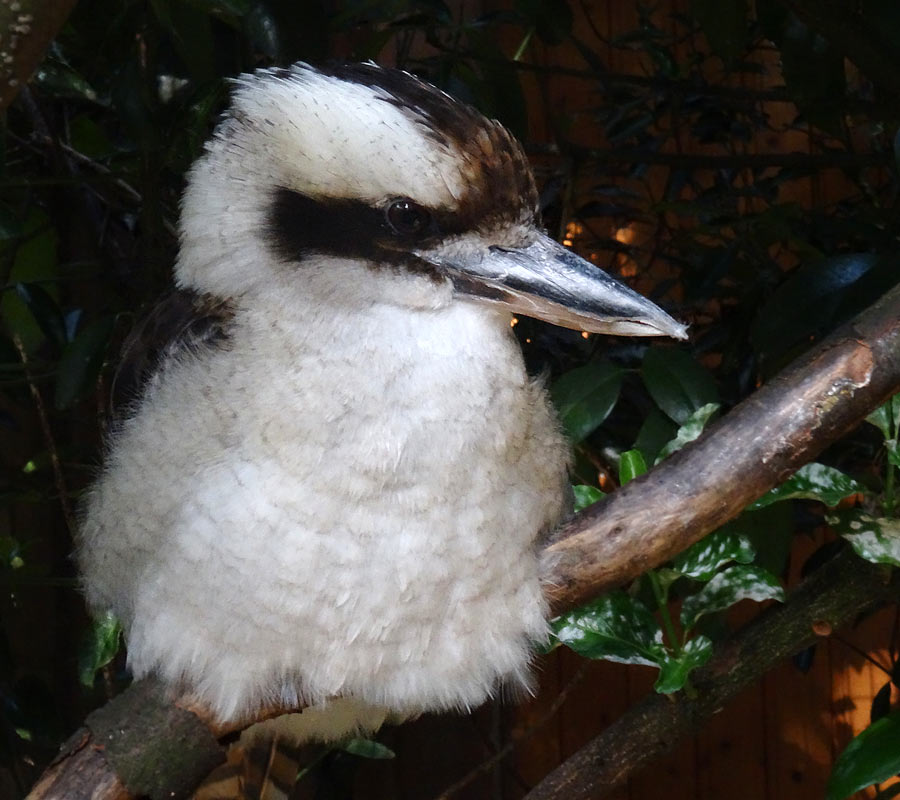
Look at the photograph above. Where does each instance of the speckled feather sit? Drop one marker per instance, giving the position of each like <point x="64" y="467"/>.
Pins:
<point x="344" y="501"/>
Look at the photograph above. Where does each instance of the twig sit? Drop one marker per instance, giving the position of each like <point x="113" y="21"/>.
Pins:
<point x="55" y="463"/>
<point x="830" y="597"/>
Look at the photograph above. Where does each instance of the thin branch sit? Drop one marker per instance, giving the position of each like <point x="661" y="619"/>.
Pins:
<point x="26" y="29"/>
<point x="832" y="596"/>
<point x="760" y="443"/>
<point x="59" y="478"/>
<point x="645" y="523"/>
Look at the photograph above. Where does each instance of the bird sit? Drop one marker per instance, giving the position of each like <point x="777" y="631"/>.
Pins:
<point x="331" y="477"/>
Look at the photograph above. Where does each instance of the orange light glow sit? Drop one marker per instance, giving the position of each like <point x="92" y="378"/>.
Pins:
<point x="625" y="235"/>
<point x="513" y="322"/>
<point x="573" y="230"/>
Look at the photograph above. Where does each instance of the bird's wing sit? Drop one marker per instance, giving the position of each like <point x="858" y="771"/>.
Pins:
<point x="182" y="321"/>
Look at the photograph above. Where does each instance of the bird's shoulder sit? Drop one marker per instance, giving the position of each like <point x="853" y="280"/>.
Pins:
<point x="182" y="321"/>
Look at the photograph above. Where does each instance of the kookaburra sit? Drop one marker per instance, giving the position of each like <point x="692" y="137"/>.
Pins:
<point x="335" y="478"/>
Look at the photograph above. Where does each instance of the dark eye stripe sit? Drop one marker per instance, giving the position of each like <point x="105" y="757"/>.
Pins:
<point x="299" y="225"/>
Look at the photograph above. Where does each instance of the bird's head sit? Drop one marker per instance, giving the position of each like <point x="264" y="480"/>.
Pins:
<point x="368" y="171"/>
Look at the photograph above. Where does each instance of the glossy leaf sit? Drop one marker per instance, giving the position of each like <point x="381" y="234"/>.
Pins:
<point x="893" y="451"/>
<point x="586" y="496"/>
<point x="103" y="640"/>
<point x="693" y="426"/>
<point x="81" y="362"/>
<point x="656" y="432"/>
<point x="806" y="303"/>
<point x="871" y="757"/>
<point x="367" y="748"/>
<point x="59" y="79"/>
<point x="631" y="466"/>
<point x="674" y="671"/>
<point x="35" y="262"/>
<point x="704" y="558"/>
<point x="729" y="587"/>
<point x="874" y="539"/>
<point x="771" y="532"/>
<point x="887" y="417"/>
<point x="677" y="383"/>
<point x="812" y="482"/>
<point x="45" y="311"/>
<point x="585" y="396"/>
<point x="616" y="627"/>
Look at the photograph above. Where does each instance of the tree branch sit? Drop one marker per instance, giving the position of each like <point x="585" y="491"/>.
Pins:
<point x="760" y="443"/>
<point x="831" y="597"/>
<point x="26" y="29"/>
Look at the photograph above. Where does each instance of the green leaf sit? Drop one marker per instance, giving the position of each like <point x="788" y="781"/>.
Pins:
<point x="693" y="426"/>
<point x="11" y="553"/>
<point x="81" y="362"/>
<point x="586" y="496"/>
<point x="656" y="431"/>
<point x="771" y="532"/>
<point x="703" y="559"/>
<point x="677" y="383"/>
<point x="585" y="396"/>
<point x="873" y="756"/>
<point x="104" y="637"/>
<point x="367" y="748"/>
<point x="876" y="540"/>
<point x="813" y="482"/>
<point x="893" y="451"/>
<point x="60" y="80"/>
<point x="616" y="627"/>
<point x="887" y="417"/>
<point x="729" y="587"/>
<point x="45" y="311"/>
<point x="806" y="303"/>
<point x="35" y="261"/>
<point x="631" y="466"/>
<point x="674" y="671"/>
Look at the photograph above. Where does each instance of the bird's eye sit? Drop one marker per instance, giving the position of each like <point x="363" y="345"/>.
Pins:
<point x="407" y="218"/>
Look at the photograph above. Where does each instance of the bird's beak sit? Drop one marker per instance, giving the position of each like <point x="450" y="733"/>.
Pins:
<point x="549" y="282"/>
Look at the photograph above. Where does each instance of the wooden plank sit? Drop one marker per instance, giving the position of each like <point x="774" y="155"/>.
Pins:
<point x="673" y="777"/>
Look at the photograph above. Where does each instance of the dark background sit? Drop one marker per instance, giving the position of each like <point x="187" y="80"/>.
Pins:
<point x="737" y="166"/>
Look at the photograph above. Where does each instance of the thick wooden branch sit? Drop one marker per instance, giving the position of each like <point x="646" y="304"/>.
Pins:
<point x="756" y="446"/>
<point x="759" y="444"/>
<point x="831" y="597"/>
<point x="26" y="29"/>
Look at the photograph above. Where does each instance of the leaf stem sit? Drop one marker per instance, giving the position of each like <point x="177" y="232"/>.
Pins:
<point x="889" y="478"/>
<point x="520" y="50"/>
<point x="889" y="488"/>
<point x="662" y="601"/>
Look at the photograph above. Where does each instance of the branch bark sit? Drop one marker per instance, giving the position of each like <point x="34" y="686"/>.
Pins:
<point x="756" y="446"/>
<point x="26" y="29"/>
<point x="762" y="441"/>
<point x="832" y="596"/>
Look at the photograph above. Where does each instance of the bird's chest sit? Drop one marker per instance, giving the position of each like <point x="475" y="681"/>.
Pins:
<point x="395" y="413"/>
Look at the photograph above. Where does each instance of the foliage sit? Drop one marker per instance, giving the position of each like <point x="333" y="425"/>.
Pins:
<point x="662" y="174"/>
